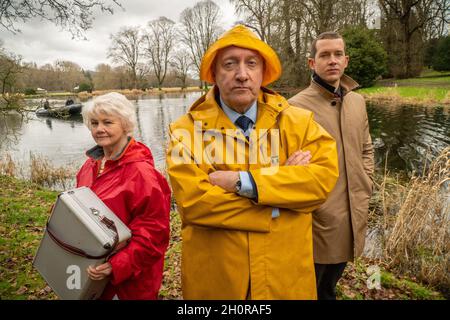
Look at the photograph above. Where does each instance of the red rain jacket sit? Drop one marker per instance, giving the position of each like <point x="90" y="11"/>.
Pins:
<point x="140" y="196"/>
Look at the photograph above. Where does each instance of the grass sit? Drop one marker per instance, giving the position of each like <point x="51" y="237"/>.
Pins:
<point x="430" y="89"/>
<point x="426" y="73"/>
<point x="442" y="80"/>
<point x="407" y="95"/>
<point x="354" y="284"/>
<point x="23" y="213"/>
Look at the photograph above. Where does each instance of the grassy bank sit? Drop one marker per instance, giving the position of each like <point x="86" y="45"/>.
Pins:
<point x="406" y="95"/>
<point x="430" y="89"/>
<point x="24" y="211"/>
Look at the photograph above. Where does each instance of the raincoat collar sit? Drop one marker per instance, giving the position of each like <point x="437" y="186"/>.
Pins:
<point x="97" y="152"/>
<point x="210" y="114"/>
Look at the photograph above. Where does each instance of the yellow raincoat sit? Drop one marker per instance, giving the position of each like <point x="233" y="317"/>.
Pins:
<point x="232" y="247"/>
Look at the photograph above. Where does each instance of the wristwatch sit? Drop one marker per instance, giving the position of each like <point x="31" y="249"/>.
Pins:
<point x="238" y="185"/>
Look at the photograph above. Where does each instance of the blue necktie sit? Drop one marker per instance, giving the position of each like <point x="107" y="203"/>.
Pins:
<point x="243" y="122"/>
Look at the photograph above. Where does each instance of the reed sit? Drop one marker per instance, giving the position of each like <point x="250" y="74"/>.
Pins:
<point x="7" y="166"/>
<point x="44" y="173"/>
<point x="415" y="223"/>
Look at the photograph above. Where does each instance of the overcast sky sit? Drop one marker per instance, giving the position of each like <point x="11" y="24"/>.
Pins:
<point x="42" y="42"/>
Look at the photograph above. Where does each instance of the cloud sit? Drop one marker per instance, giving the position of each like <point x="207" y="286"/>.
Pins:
<point x="42" y="42"/>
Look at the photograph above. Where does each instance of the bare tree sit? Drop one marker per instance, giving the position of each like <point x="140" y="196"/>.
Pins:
<point x="438" y="26"/>
<point x="126" y="49"/>
<point x="259" y="15"/>
<point x="10" y="69"/>
<point x="142" y="73"/>
<point x="181" y="64"/>
<point x="290" y="25"/>
<point x="159" y="41"/>
<point x="104" y="77"/>
<point x="68" y="74"/>
<point x="406" y="21"/>
<point x="74" y="15"/>
<point x="200" y="29"/>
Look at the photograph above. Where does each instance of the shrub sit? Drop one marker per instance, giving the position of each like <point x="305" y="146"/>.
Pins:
<point x="84" y="86"/>
<point x="367" y="56"/>
<point x="29" y="91"/>
<point x="441" y="57"/>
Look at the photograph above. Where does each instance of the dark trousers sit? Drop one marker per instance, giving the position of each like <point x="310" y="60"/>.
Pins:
<point x="327" y="276"/>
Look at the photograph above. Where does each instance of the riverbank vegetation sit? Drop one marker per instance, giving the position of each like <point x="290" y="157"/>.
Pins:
<point x="411" y="218"/>
<point x="431" y="88"/>
<point x="415" y="96"/>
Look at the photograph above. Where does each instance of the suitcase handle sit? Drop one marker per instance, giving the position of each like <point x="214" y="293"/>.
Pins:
<point x="74" y="250"/>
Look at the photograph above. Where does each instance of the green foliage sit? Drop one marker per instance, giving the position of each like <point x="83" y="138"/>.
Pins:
<point x="84" y="86"/>
<point x="430" y="49"/>
<point x="29" y="91"/>
<point x="367" y="56"/>
<point x="441" y="57"/>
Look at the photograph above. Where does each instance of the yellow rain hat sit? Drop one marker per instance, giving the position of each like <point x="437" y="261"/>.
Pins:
<point x="241" y="36"/>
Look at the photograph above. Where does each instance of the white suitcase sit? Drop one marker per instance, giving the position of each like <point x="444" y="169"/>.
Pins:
<point x="80" y="232"/>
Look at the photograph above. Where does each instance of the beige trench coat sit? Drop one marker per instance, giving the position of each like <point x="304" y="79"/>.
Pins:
<point x="339" y="225"/>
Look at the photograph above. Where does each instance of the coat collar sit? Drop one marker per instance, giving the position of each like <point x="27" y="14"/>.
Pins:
<point x="97" y="153"/>
<point x="212" y="117"/>
<point x="346" y="83"/>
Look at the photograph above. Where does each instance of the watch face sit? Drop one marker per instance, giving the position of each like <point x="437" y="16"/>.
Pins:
<point x="238" y="185"/>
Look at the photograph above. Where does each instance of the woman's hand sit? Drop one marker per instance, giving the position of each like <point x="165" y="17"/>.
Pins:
<point x="100" y="272"/>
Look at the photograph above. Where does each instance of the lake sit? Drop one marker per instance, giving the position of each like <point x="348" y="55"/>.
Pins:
<point x="407" y="133"/>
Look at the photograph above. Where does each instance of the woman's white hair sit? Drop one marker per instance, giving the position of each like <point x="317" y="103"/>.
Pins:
<point x="112" y="103"/>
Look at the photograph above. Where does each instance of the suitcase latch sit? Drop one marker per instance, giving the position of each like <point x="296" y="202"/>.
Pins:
<point x="94" y="211"/>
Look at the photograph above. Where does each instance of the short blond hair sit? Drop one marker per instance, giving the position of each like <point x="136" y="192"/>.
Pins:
<point x="112" y="103"/>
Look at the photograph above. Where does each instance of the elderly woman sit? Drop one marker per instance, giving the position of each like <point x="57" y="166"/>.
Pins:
<point x="121" y="172"/>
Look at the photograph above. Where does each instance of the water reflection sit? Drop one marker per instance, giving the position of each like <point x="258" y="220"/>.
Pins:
<point x="409" y="135"/>
<point x="406" y="133"/>
<point x="64" y="141"/>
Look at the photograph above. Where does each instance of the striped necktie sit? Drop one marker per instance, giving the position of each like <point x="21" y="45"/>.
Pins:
<point x="243" y="122"/>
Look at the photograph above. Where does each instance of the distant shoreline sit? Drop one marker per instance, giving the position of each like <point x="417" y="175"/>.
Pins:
<point x="127" y="92"/>
<point x="408" y="95"/>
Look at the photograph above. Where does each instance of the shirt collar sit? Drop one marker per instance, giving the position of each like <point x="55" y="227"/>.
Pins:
<point x="233" y="115"/>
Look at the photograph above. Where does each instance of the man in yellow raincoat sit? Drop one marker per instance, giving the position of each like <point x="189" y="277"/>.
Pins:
<point x="247" y="170"/>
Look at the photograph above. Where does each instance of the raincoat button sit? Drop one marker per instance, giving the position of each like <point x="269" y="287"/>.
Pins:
<point x="333" y="103"/>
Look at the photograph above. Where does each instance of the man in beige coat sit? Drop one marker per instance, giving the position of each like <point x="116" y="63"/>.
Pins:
<point x="339" y="225"/>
